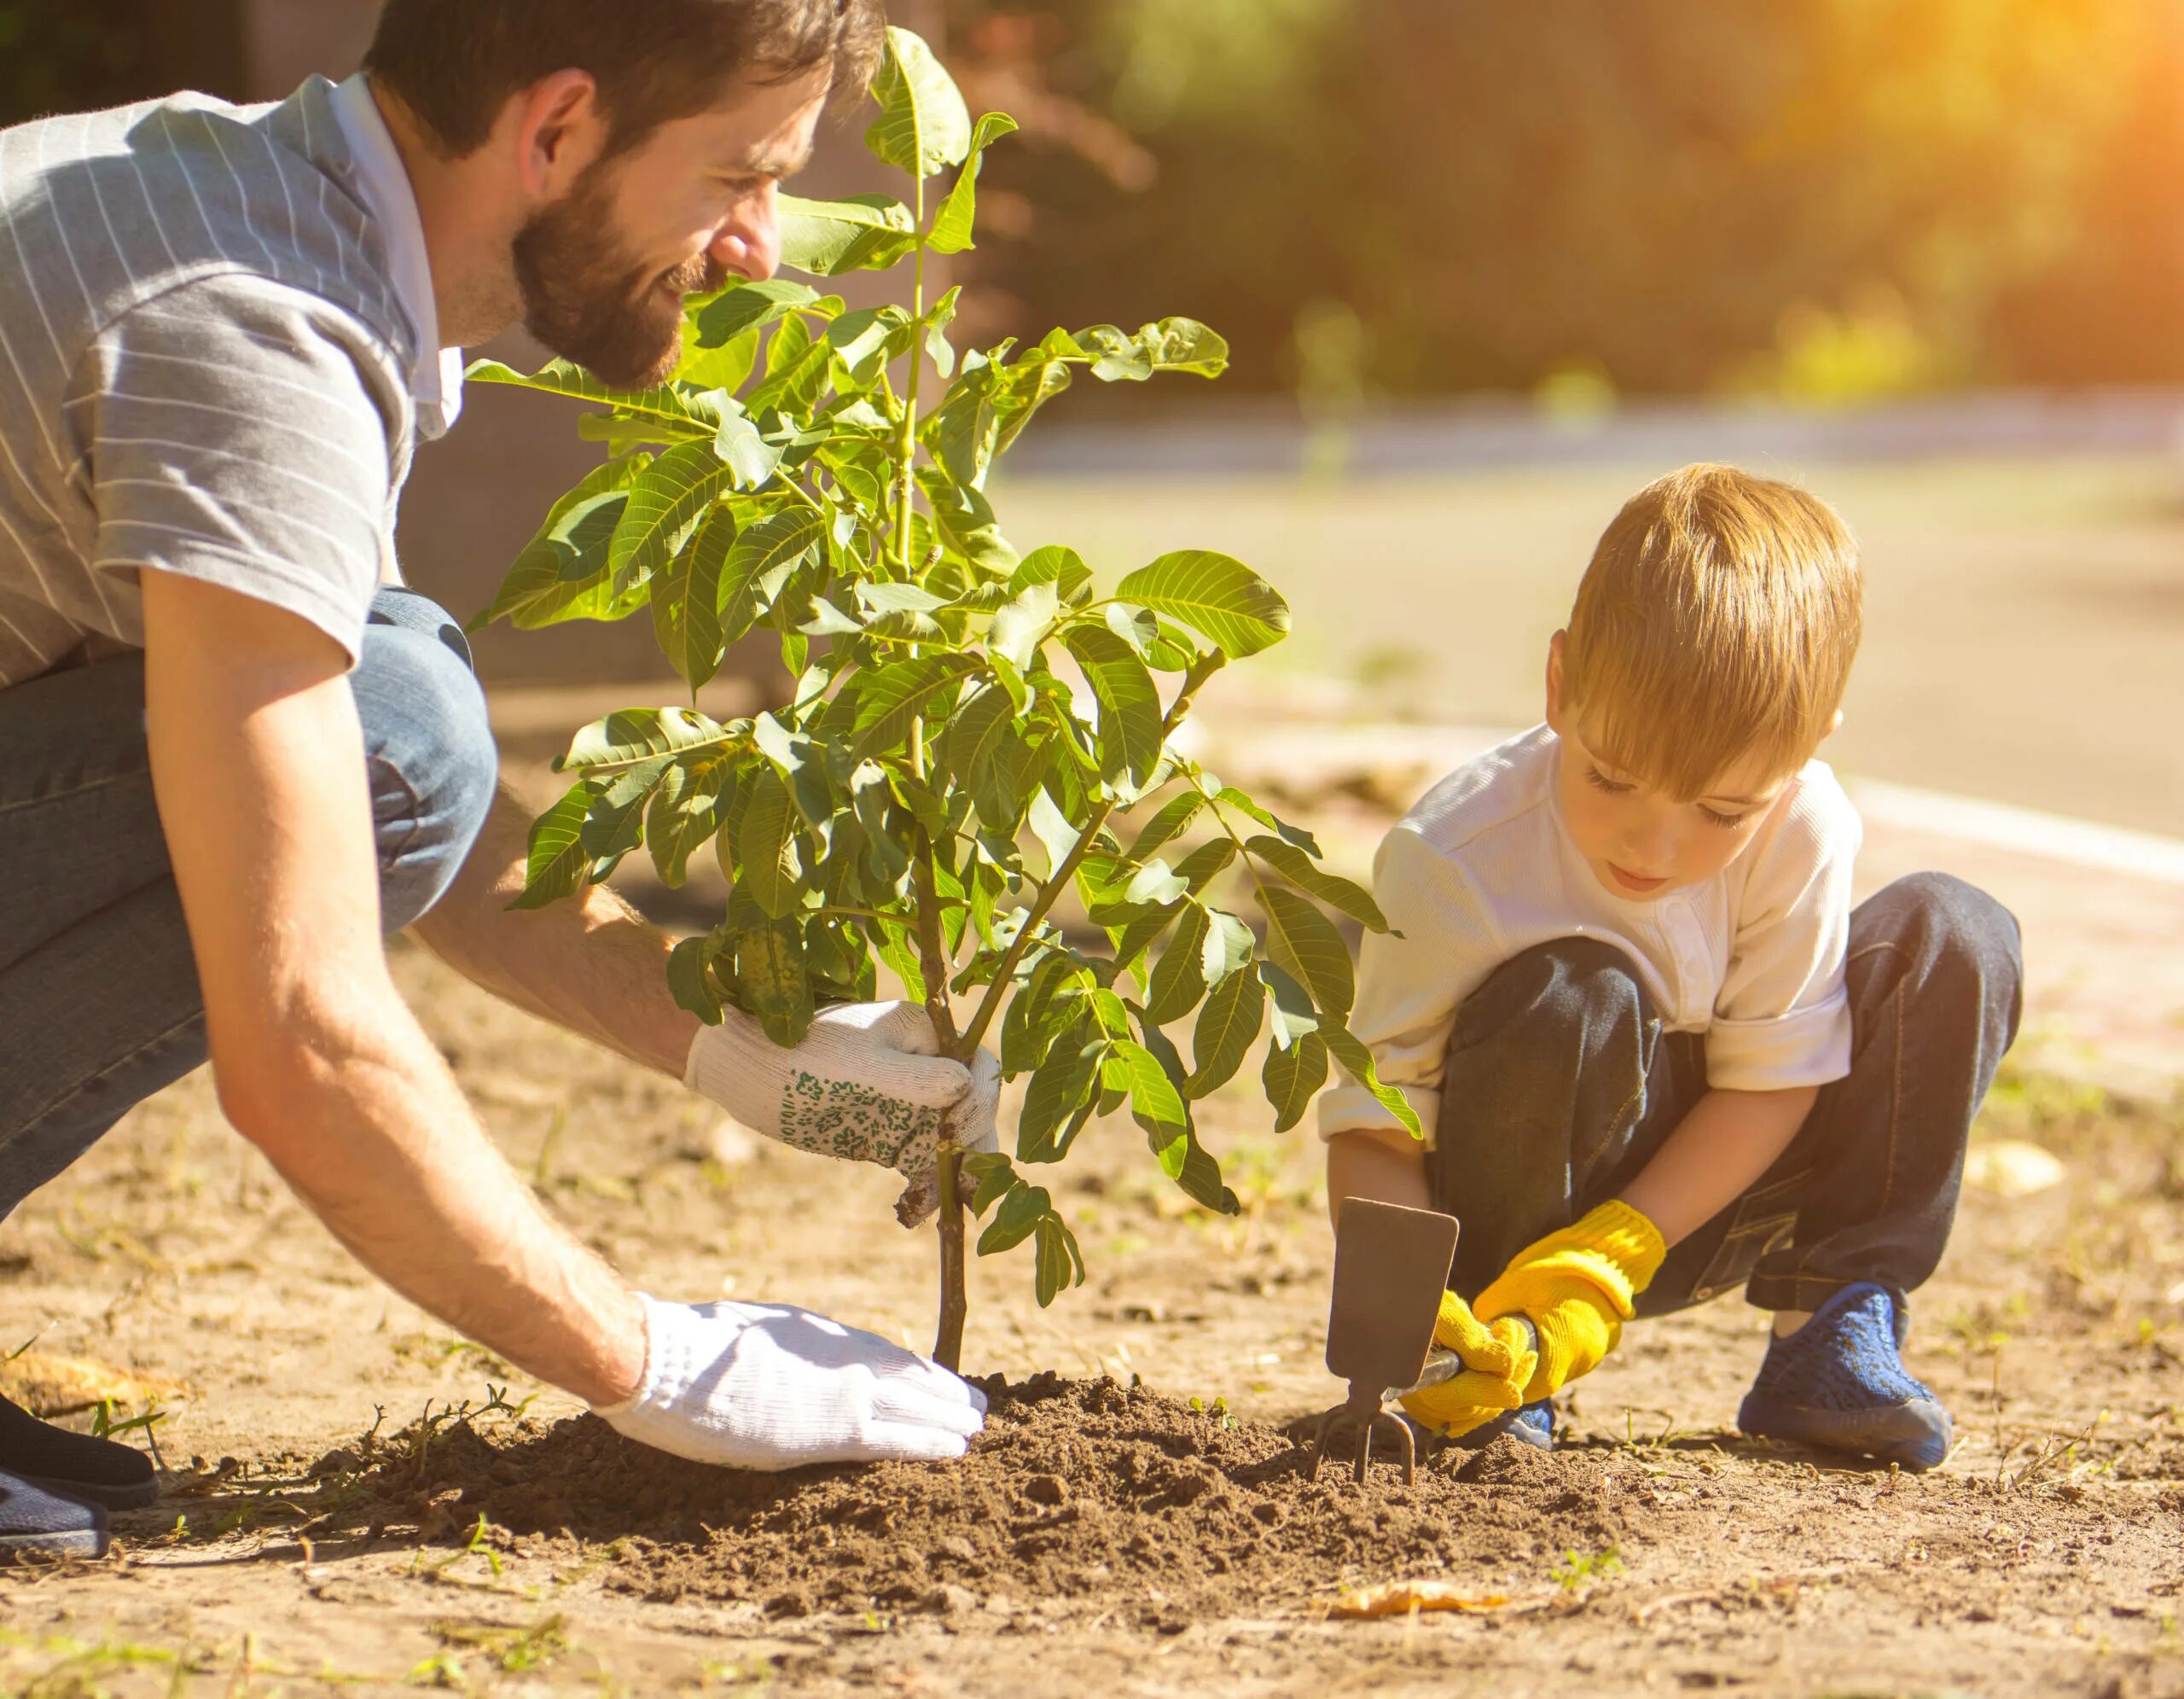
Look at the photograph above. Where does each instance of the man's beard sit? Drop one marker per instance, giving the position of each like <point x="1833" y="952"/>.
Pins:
<point x="590" y="300"/>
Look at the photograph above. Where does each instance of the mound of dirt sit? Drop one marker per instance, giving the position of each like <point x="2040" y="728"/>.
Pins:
<point x="1079" y="1492"/>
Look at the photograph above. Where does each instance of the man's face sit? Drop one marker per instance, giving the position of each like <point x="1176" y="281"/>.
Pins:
<point x="1641" y="841"/>
<point x="603" y="270"/>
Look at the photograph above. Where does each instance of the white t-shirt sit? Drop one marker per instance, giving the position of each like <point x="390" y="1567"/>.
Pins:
<point x="1483" y="869"/>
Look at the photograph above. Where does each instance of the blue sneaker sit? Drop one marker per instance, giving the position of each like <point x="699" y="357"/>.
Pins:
<point x="1838" y="1382"/>
<point x="1533" y="1425"/>
<point x="34" y="1520"/>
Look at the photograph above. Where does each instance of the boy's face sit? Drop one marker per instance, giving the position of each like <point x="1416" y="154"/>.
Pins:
<point x="1639" y="840"/>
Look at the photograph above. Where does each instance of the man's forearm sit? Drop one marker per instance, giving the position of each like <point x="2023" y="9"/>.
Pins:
<point x="1727" y="1141"/>
<point x="258" y="761"/>
<point x="591" y="964"/>
<point x="365" y="1121"/>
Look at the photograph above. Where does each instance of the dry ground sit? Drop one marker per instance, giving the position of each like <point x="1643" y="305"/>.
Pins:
<point x="296" y="1554"/>
<point x="2047" y="1557"/>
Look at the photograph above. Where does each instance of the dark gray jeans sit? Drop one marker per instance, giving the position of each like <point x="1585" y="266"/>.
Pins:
<point x="1561" y="1086"/>
<point x="99" y="1001"/>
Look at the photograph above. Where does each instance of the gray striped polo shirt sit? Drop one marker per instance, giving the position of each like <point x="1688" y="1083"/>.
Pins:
<point x="204" y="369"/>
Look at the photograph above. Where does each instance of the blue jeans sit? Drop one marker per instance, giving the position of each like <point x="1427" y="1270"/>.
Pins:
<point x="1560" y="1085"/>
<point x="99" y="1000"/>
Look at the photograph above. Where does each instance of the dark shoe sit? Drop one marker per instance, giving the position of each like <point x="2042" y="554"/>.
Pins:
<point x="1533" y="1425"/>
<point x="118" y="1476"/>
<point x="1838" y="1382"/>
<point x="36" y="1521"/>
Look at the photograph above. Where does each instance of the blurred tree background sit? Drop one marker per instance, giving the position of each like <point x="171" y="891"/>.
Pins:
<point x="1823" y="199"/>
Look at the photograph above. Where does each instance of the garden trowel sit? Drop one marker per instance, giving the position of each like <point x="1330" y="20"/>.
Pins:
<point x="1391" y="1267"/>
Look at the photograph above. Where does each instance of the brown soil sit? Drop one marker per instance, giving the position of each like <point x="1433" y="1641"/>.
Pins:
<point x="1101" y="1538"/>
<point x="1092" y="1498"/>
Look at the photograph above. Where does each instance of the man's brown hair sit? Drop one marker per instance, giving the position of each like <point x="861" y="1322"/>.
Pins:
<point x="455" y="63"/>
<point x="1717" y="622"/>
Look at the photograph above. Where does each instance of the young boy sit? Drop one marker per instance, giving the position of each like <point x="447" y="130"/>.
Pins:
<point x="1657" y="1053"/>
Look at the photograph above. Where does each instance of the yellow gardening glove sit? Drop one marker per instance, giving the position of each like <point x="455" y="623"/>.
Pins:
<point x="1577" y="1286"/>
<point x="1498" y="1362"/>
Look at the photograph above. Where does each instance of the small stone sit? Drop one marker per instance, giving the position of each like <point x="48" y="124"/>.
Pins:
<point x="955" y="1545"/>
<point x="1046" y="1489"/>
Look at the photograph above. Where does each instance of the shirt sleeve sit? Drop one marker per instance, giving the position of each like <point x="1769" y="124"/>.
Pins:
<point x="242" y="433"/>
<point x="1783" y="1018"/>
<point x="1410" y="987"/>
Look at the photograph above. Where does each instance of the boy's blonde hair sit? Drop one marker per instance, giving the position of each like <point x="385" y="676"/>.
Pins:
<point x="1717" y="622"/>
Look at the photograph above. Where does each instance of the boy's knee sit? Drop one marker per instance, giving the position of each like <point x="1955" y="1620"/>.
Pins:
<point x="1572" y="982"/>
<point x="433" y="764"/>
<point x="1954" y="926"/>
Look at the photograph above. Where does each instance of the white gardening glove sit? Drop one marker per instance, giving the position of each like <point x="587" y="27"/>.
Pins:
<point x="867" y="1084"/>
<point x="771" y="1387"/>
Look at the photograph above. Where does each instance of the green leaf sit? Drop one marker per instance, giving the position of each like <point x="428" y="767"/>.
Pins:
<point x="866" y="340"/>
<point x="941" y="350"/>
<point x="1234" y="1013"/>
<point x="1020" y="624"/>
<point x="896" y="695"/>
<point x="884" y="853"/>
<point x="750" y="460"/>
<point x="760" y="563"/>
<point x="1294" y="1017"/>
<point x="966" y="522"/>
<point x="1304" y="942"/>
<point x="770" y="975"/>
<point x="1154" y="1102"/>
<point x="684" y="812"/>
<point x="1171" y="822"/>
<point x="773" y="872"/>
<point x="614" y="824"/>
<point x="832" y="238"/>
<point x="562" y="573"/>
<point x="1056" y="832"/>
<point x="1223" y="599"/>
<point x="1302" y="871"/>
<point x="1174" y="345"/>
<point x="1058" y="1261"/>
<point x="689" y="980"/>
<point x="1179" y="981"/>
<point x="557" y="863"/>
<point x="560" y="377"/>
<point x="1130" y="705"/>
<point x="1230" y="797"/>
<point x="1292" y="1076"/>
<point x="1351" y="1052"/>
<point x="990" y="1176"/>
<point x="1060" y="1086"/>
<point x="952" y="226"/>
<point x="1064" y="568"/>
<point x="747" y="307"/>
<point x="632" y="734"/>
<point x="1207" y="862"/>
<point x="1021" y="1211"/>
<point x="898" y="949"/>
<point x="1229" y="947"/>
<point x="979" y="751"/>
<point x="923" y="125"/>
<point x="686" y="602"/>
<point x="666" y="506"/>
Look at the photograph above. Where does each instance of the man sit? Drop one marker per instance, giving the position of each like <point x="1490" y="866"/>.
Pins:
<point x="233" y="752"/>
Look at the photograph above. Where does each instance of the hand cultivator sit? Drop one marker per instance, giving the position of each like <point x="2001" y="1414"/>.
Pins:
<point x="1391" y="1267"/>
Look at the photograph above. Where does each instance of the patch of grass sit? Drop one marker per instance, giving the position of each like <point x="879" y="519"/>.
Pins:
<point x="1588" y="1569"/>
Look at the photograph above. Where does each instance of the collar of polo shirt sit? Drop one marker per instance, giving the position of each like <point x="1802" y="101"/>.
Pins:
<point x="435" y="373"/>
